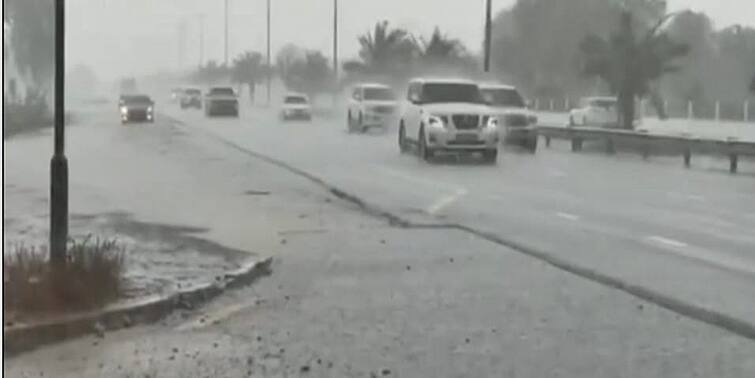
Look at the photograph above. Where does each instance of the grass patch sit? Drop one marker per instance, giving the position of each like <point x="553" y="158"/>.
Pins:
<point x="92" y="276"/>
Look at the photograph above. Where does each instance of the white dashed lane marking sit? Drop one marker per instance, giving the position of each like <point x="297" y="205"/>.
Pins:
<point x="568" y="216"/>
<point x="666" y="241"/>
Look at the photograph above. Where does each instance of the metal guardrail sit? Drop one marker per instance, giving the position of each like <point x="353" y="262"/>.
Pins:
<point x="685" y="145"/>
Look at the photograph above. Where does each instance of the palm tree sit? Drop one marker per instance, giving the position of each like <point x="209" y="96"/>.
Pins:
<point x="310" y="74"/>
<point x="386" y="50"/>
<point x="630" y="64"/>
<point x="248" y="69"/>
<point x="440" y="47"/>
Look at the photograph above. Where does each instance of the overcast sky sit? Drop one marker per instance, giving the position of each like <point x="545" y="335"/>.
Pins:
<point x="122" y="37"/>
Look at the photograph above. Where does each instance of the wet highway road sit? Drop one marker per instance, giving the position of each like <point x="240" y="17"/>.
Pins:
<point x="649" y="223"/>
<point x="359" y="298"/>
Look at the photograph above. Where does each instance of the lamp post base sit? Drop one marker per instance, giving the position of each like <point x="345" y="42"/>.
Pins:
<point x="58" y="209"/>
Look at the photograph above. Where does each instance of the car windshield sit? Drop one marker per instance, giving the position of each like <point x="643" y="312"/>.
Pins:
<point x="503" y="97"/>
<point x="222" y="91"/>
<point x="385" y="94"/>
<point x="295" y="100"/>
<point x="379" y="188"/>
<point x="451" y="92"/>
<point x="136" y="99"/>
<point x="603" y="103"/>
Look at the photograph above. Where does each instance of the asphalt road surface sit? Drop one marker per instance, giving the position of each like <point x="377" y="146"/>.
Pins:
<point x="651" y="223"/>
<point x="360" y="298"/>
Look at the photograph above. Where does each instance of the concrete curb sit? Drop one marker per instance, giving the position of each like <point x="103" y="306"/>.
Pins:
<point x="25" y="337"/>
<point x="741" y="327"/>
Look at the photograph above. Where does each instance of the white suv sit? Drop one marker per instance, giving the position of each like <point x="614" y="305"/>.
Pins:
<point x="370" y="105"/>
<point x="445" y="115"/>
<point x="518" y="124"/>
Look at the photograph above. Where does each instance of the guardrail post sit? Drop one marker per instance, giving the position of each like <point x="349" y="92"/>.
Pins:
<point x="576" y="144"/>
<point x="547" y="141"/>
<point x="746" y="111"/>
<point x="718" y="111"/>
<point x="690" y="110"/>
<point x="687" y="156"/>
<point x="646" y="144"/>
<point x="610" y="147"/>
<point x="733" y="162"/>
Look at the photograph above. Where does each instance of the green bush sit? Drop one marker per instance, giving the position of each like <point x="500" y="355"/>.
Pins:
<point x="91" y="277"/>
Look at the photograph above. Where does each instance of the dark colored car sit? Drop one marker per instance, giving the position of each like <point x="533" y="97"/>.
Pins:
<point x="191" y="98"/>
<point x="136" y="108"/>
<point x="221" y="101"/>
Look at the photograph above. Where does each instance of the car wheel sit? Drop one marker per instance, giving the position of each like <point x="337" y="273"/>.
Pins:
<point x="425" y="153"/>
<point x="402" y="144"/>
<point x="349" y="122"/>
<point x="532" y="145"/>
<point x="490" y="156"/>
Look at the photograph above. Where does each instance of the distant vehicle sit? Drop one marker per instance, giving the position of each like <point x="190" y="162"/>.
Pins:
<point x="371" y="105"/>
<point x="191" y="98"/>
<point x="595" y="111"/>
<point x="136" y="108"/>
<point x="516" y="122"/>
<point x="221" y="101"/>
<point x="296" y="106"/>
<point x="176" y="94"/>
<point x="448" y="115"/>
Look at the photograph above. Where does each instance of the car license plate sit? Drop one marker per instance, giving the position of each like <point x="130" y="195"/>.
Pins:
<point x="466" y="137"/>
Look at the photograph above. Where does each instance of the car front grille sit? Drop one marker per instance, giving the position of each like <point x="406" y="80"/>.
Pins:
<point x="466" y="121"/>
<point x="516" y="120"/>
<point x="137" y="114"/>
<point x="384" y="109"/>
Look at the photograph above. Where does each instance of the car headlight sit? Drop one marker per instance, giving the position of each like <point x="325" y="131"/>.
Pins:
<point x="437" y="121"/>
<point x="124" y="110"/>
<point x="491" y="123"/>
<point x="149" y="109"/>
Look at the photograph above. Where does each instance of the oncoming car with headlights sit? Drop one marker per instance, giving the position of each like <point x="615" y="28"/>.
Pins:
<point x="517" y="124"/>
<point x="136" y="108"/>
<point x="448" y="115"/>
<point x="370" y="105"/>
<point x="296" y="106"/>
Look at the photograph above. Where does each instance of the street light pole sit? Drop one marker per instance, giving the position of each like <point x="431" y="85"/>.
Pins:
<point x="59" y="163"/>
<point x="269" y="59"/>
<point x="226" y="33"/>
<point x="335" y="38"/>
<point x="488" y="32"/>
<point x="201" y="40"/>
<point x="335" y="51"/>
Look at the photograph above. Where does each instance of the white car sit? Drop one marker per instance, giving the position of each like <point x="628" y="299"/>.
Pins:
<point x="296" y="106"/>
<point x="516" y="122"/>
<point x="448" y="115"/>
<point x="370" y="105"/>
<point x="595" y="111"/>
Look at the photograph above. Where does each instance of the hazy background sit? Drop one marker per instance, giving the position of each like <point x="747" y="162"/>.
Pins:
<point x="123" y="37"/>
